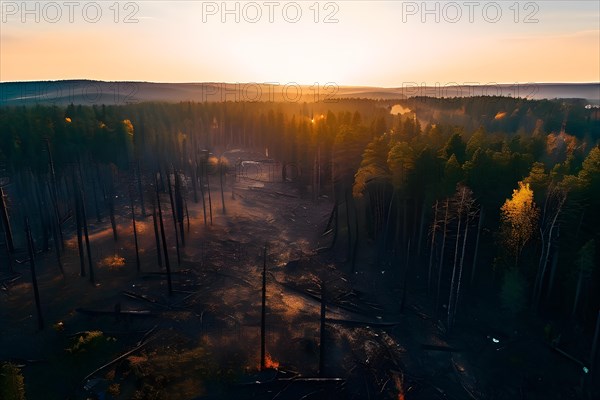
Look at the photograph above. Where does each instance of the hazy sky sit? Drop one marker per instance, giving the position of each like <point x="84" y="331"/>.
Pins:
<point x="386" y="43"/>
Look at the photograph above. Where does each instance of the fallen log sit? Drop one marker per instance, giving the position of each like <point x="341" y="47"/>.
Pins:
<point x="131" y="313"/>
<point x="440" y="348"/>
<point x="137" y="296"/>
<point x="122" y="356"/>
<point x="361" y="323"/>
<point x="317" y="299"/>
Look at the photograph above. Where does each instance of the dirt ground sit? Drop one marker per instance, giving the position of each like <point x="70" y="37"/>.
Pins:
<point x="203" y="341"/>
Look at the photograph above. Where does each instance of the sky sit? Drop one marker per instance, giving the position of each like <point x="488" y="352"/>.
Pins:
<point x="365" y="43"/>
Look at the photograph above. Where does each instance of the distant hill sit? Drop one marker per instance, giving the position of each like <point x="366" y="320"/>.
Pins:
<point x="101" y="92"/>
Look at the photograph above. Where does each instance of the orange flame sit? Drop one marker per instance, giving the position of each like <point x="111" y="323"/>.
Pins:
<point x="270" y="363"/>
<point x="398" y="382"/>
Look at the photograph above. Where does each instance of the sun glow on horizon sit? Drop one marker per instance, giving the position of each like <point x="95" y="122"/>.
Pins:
<point x="372" y="44"/>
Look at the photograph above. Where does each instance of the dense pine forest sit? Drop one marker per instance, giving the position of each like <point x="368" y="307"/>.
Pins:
<point x="481" y="207"/>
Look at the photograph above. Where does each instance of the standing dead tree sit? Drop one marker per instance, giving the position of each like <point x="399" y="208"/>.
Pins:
<point x="36" y="292"/>
<point x="463" y="210"/>
<point x="555" y="201"/>
<point x="135" y="237"/>
<point x="6" y="222"/>
<point x="164" y="239"/>
<point x="263" y="312"/>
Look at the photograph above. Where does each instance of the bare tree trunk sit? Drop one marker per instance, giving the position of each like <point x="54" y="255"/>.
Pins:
<point x="203" y="197"/>
<point x="156" y="235"/>
<point x="111" y="210"/>
<point x="538" y="292"/>
<point x="135" y="238"/>
<point x="221" y="182"/>
<point x="54" y="193"/>
<point x="479" y="225"/>
<point x="194" y="183"/>
<point x="433" y="232"/>
<point x="348" y="229"/>
<point x="209" y="198"/>
<point x="421" y="229"/>
<point x="187" y="214"/>
<point x="179" y="207"/>
<point x="546" y="254"/>
<point x="454" y="272"/>
<point x="95" y="195"/>
<point x="173" y="212"/>
<point x="335" y="222"/>
<point x="6" y="222"/>
<point x="55" y="236"/>
<point x="164" y="240"/>
<point x="263" y="312"/>
<point x="388" y="219"/>
<point x="322" y="331"/>
<point x="440" y="268"/>
<point x="41" y="204"/>
<point x="36" y="292"/>
<point x="79" y="232"/>
<point x="460" y="270"/>
<point x="140" y="189"/>
<point x="355" y="245"/>
<point x="86" y="235"/>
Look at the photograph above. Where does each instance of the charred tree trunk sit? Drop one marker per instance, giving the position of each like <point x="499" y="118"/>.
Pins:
<point x="209" y="196"/>
<point x="454" y="273"/>
<point x="36" y="292"/>
<point x="348" y="228"/>
<point x="441" y="265"/>
<point x="322" y="331"/>
<point x="6" y="222"/>
<point x="202" y="194"/>
<point x="454" y="304"/>
<point x="433" y="232"/>
<point x="187" y="214"/>
<point x="263" y="312"/>
<point x="334" y="225"/>
<point x="87" y="237"/>
<point x="135" y="238"/>
<point x="421" y="229"/>
<point x="156" y="235"/>
<point x="96" y="206"/>
<point x="164" y="240"/>
<point x="386" y="234"/>
<point x="44" y="223"/>
<point x="174" y="214"/>
<point x="479" y="226"/>
<point x="79" y="233"/>
<point x="179" y="207"/>
<point x="54" y="193"/>
<point x="221" y="181"/>
<point x="140" y="189"/>
<point x="111" y="210"/>
<point x="194" y="184"/>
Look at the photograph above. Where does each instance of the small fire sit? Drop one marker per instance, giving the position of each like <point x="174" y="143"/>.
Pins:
<point x="113" y="262"/>
<point x="270" y="363"/>
<point x="398" y="383"/>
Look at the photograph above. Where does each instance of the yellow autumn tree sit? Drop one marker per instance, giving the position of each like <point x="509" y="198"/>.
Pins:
<point x="519" y="219"/>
